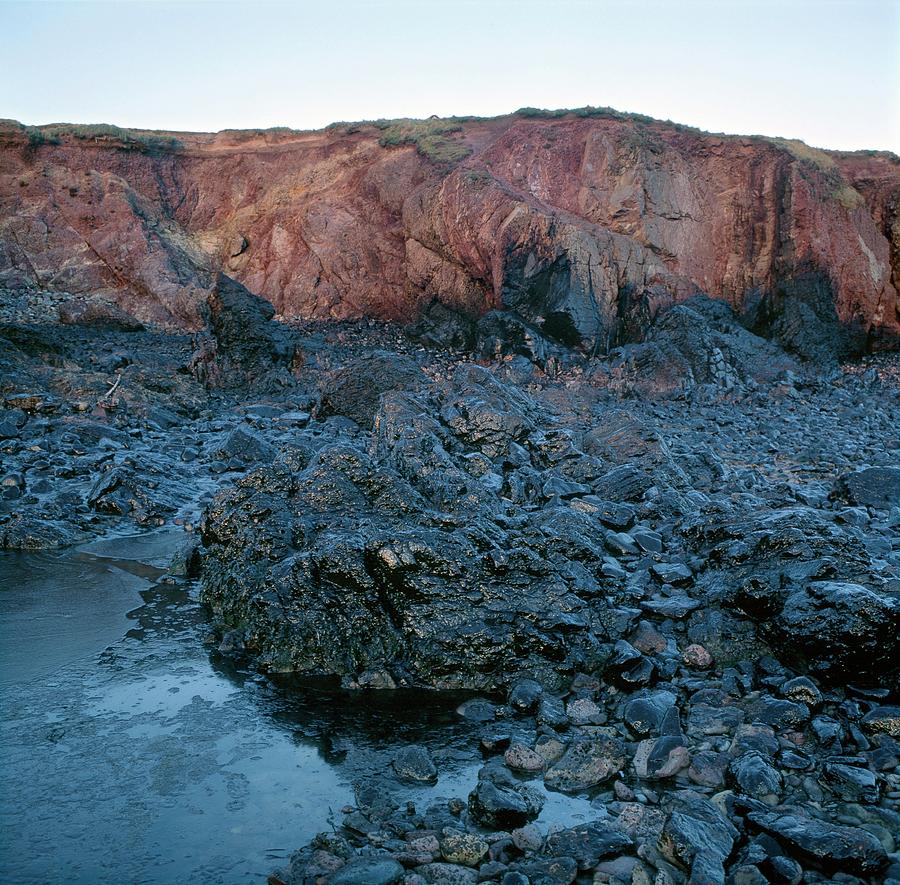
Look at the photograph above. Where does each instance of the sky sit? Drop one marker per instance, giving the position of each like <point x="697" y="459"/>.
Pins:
<point x="825" y="71"/>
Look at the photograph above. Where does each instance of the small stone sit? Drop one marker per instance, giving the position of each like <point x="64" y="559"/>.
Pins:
<point x="586" y="764"/>
<point x="747" y="874"/>
<point x="852" y="784"/>
<point x="783" y="870"/>
<point x="778" y="713"/>
<point x="802" y="690"/>
<point x="675" y="607"/>
<point x="556" y="871"/>
<point x="826" y="729"/>
<point x="415" y="765"/>
<point x="647" y="639"/>
<point x="674" y="573"/>
<point x="620" y="544"/>
<point x="707" y="768"/>
<point x="588" y="843"/>
<point x="447" y="874"/>
<point x="623" y="792"/>
<point x="463" y="848"/>
<point x="697" y="835"/>
<point x="584" y="711"/>
<point x="495" y="743"/>
<point x="477" y="710"/>
<point x="521" y="758"/>
<point x="513" y="877"/>
<point x="697" y="657"/>
<point x="883" y="720"/>
<point x="528" y="838"/>
<point x="645" y="714"/>
<point x="524" y="695"/>
<point x="752" y="775"/>
<point x="549" y="747"/>
<point x="501" y="806"/>
<point x="425" y="844"/>
<point x="648" y="540"/>
<point x="551" y="712"/>
<point x="661" y="757"/>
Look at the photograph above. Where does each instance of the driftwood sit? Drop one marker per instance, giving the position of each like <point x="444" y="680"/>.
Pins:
<point x="111" y="390"/>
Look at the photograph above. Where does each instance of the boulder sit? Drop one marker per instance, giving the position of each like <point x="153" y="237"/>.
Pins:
<point x="241" y="345"/>
<point x="842" y="630"/>
<point x="871" y="487"/>
<point x="832" y="848"/>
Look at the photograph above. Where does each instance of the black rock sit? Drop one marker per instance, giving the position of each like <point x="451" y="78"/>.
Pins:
<point x="699" y="837"/>
<point x="883" y="720"/>
<point x="524" y="695"/>
<point x="675" y="607"/>
<point x="752" y="774"/>
<point x="872" y="487"/>
<point x="850" y="783"/>
<point x="415" y="765"/>
<point x="391" y="558"/>
<point x="843" y="630"/>
<point x="586" y="764"/>
<point x="826" y="846"/>
<point x="777" y="712"/>
<point x="241" y="344"/>
<point x="587" y="843"/>
<point x="675" y="573"/>
<point x="120" y="492"/>
<point x="503" y="806"/>
<point x="555" y="871"/>
<point x="242" y="444"/>
<point x="646" y="714"/>
<point x="363" y="870"/>
<point x="354" y="390"/>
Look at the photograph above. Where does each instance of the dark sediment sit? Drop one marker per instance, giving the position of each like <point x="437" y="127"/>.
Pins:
<point x="673" y="574"/>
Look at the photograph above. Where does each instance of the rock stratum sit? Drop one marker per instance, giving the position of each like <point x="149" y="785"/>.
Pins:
<point x="584" y="224"/>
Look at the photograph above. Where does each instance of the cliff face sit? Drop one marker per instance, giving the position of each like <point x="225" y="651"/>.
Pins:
<point x="583" y="225"/>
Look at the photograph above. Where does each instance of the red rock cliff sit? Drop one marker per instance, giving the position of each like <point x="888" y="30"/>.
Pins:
<point x="575" y="220"/>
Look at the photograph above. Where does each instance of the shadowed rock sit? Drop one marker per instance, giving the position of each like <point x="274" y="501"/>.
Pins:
<point x="242" y="344"/>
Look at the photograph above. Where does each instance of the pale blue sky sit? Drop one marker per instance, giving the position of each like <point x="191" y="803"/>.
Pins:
<point x="826" y="71"/>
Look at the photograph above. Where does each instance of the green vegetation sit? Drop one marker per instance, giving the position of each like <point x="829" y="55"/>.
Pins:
<point x="279" y="130"/>
<point x="818" y="161"/>
<point x="478" y="177"/>
<point x="102" y="132"/>
<point x="587" y="111"/>
<point x="806" y="154"/>
<point x="608" y="114"/>
<point x="431" y="137"/>
<point x="36" y="137"/>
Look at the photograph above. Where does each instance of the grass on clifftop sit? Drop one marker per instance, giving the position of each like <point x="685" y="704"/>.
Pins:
<point x="130" y="139"/>
<point x="586" y="111"/>
<point x="824" y="164"/>
<point x="429" y="136"/>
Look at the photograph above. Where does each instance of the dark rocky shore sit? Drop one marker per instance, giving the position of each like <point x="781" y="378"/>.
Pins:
<point x="669" y="576"/>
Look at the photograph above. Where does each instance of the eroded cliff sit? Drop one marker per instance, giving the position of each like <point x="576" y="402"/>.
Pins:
<point x="582" y="223"/>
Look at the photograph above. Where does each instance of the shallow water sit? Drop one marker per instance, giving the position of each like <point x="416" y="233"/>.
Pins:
<point x="132" y="753"/>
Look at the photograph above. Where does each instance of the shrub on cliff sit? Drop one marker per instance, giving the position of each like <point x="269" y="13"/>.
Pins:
<point x="128" y="138"/>
<point x="429" y="136"/>
<point x="818" y="161"/>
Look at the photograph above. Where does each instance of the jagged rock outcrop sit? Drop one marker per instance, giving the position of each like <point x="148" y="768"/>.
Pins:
<point x="241" y="343"/>
<point x="583" y="225"/>
<point x="469" y="536"/>
<point x="399" y="561"/>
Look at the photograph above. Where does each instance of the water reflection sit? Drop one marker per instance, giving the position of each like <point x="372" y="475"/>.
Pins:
<point x="132" y="752"/>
